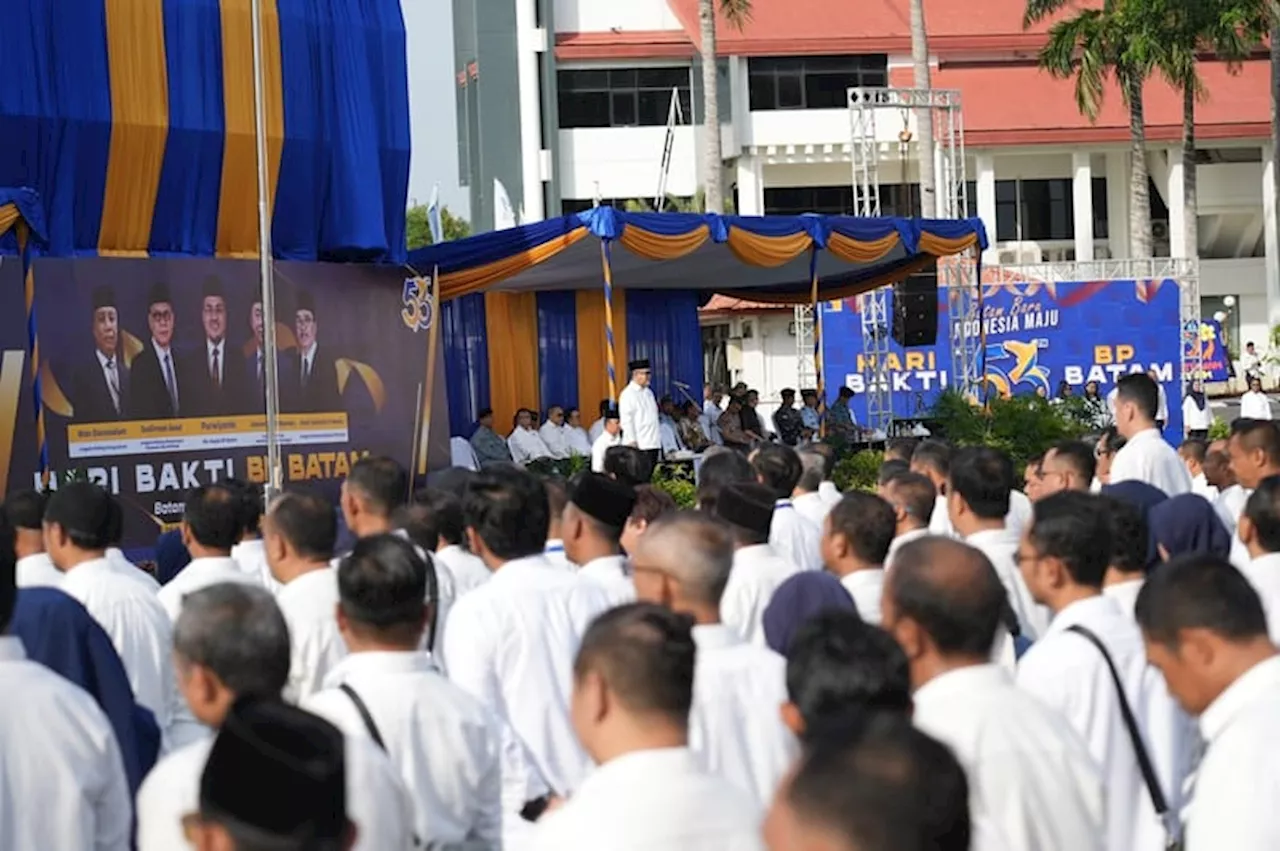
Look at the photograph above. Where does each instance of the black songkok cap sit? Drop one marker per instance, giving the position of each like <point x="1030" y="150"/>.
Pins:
<point x="746" y="505"/>
<point x="103" y="296"/>
<point x="159" y="294"/>
<point x="603" y="498"/>
<point x="211" y="287"/>
<point x="298" y="756"/>
<point x="643" y="363"/>
<point x="306" y="302"/>
<point x="612" y="413"/>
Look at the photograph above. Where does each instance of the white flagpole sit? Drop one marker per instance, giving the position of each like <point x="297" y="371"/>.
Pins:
<point x="274" y="471"/>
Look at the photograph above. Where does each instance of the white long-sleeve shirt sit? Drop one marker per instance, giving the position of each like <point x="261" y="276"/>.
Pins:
<point x="757" y="573"/>
<point x="37" y="571"/>
<point x="309" y="604"/>
<point x="1000" y="546"/>
<point x="795" y="537"/>
<point x="610" y="573"/>
<point x="199" y="574"/>
<point x="527" y="445"/>
<point x="638" y="411"/>
<point x="866" y="588"/>
<point x="601" y="447"/>
<point x="1195" y="418"/>
<point x="1255" y="406"/>
<point x="1147" y="458"/>
<point x="62" y="780"/>
<point x="1263" y="574"/>
<point x="556" y="438"/>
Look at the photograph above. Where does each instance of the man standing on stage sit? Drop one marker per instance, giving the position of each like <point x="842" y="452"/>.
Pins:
<point x="638" y="410"/>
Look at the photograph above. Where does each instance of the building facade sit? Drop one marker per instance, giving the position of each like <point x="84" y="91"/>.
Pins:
<point x="568" y="102"/>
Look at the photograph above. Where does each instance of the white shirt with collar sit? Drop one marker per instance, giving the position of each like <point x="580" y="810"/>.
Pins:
<point x="1021" y="513"/>
<point x="309" y="604"/>
<point x="63" y="782"/>
<point x="757" y="572"/>
<point x="1201" y="487"/>
<point x="111" y="374"/>
<point x="1194" y="417"/>
<point x="1238" y="782"/>
<point x="638" y="412"/>
<point x="1126" y="595"/>
<point x="1263" y="574"/>
<point x="1030" y="775"/>
<point x="469" y="571"/>
<point x="649" y="800"/>
<point x="309" y="361"/>
<point x="812" y="507"/>
<point x="865" y="587"/>
<point x="445" y="746"/>
<point x="940" y="520"/>
<point x="829" y="492"/>
<point x="378" y="802"/>
<point x="1068" y="673"/>
<point x="1000" y="546"/>
<point x="165" y="353"/>
<point x="553" y="551"/>
<point x="600" y="446"/>
<point x="527" y="445"/>
<point x="901" y="541"/>
<point x="579" y="443"/>
<point x="735" y="728"/>
<point x="1255" y="406"/>
<point x="1147" y="458"/>
<point x="597" y="428"/>
<point x="511" y="644"/>
<point x="218" y="347"/>
<point x="611" y="573"/>
<point x="251" y="556"/>
<point x="1230" y="505"/>
<point x="37" y="571"/>
<point x="120" y="563"/>
<point x="556" y="439"/>
<point x="795" y="537"/>
<point x="199" y="574"/>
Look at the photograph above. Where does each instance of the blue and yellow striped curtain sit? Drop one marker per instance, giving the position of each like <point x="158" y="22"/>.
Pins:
<point x="558" y="348"/>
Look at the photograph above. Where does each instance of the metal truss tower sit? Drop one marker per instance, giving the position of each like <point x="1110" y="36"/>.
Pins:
<point x="806" y="370"/>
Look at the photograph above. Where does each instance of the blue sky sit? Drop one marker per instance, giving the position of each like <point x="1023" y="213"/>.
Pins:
<point x="429" y="34"/>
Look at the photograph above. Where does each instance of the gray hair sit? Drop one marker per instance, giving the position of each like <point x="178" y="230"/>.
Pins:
<point x="814" y="466"/>
<point x="237" y="631"/>
<point x="693" y="548"/>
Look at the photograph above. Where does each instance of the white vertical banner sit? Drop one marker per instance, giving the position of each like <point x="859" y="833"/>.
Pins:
<point x="504" y="215"/>
<point x="433" y="216"/>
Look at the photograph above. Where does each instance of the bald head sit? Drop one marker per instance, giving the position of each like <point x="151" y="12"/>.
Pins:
<point x="951" y="591"/>
<point x="693" y="549"/>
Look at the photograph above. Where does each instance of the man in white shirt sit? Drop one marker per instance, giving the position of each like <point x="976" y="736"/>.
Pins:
<point x="758" y="568"/>
<point x="932" y="458"/>
<point x="634" y="684"/>
<point x="913" y="499"/>
<point x="557" y="499"/>
<point x="1162" y="400"/>
<point x="978" y="501"/>
<point x="610" y="435"/>
<point x="210" y="528"/>
<point x="61" y="771"/>
<point x="1069" y="466"/>
<point x="594" y="517"/>
<point x="1193" y="454"/>
<point x="794" y="536"/>
<point x="445" y="745"/>
<point x="76" y="525"/>
<point x="576" y="435"/>
<point x="1029" y="772"/>
<point x="1145" y="456"/>
<point x="651" y="503"/>
<point x="1131" y="551"/>
<point x="231" y="647"/>
<point x="554" y="433"/>
<point x="116" y="558"/>
<point x="638" y="411"/>
<point x="1206" y="630"/>
<point x="805" y="499"/>
<point x="300" y="531"/>
<point x="684" y="562"/>
<point x="250" y="553"/>
<point x="1259" y="530"/>
<point x="510" y="642"/>
<point x="444" y="511"/>
<point x="25" y="512"/>
<point x="524" y="442"/>
<point x="855" y="545"/>
<point x="1254" y="450"/>
<point x="1064" y="558"/>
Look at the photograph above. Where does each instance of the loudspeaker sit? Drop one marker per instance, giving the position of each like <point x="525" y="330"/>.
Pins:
<point x="915" y="310"/>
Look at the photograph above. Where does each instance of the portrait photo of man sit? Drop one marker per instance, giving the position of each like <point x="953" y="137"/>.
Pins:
<point x="316" y="379"/>
<point x="255" y="364"/>
<point x="222" y="387"/>
<point x="100" y="389"/>
<point x="159" y="386"/>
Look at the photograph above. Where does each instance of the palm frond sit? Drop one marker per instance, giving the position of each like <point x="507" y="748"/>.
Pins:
<point x="736" y="12"/>
<point x="1038" y="10"/>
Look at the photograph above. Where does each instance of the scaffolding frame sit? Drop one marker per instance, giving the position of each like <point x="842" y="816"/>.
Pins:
<point x="940" y="107"/>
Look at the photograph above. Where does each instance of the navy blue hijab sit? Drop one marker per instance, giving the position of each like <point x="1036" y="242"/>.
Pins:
<point x="60" y="634"/>
<point x="1188" y="523"/>
<point x="808" y="593"/>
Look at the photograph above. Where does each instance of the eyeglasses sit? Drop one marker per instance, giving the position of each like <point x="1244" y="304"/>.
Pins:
<point x="1020" y="558"/>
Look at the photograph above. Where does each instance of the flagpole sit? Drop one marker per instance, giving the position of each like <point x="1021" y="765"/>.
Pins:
<point x="270" y="353"/>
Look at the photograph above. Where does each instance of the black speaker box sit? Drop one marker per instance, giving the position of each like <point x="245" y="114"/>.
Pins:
<point x="915" y="310"/>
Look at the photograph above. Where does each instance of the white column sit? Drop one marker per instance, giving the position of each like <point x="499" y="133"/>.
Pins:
<point x="1082" y="204"/>
<point x="530" y="41"/>
<point x="1118" y="204"/>
<point x="986" y="167"/>
<point x="750" y="186"/>
<point x="1175" y="200"/>
<point x="1271" y="240"/>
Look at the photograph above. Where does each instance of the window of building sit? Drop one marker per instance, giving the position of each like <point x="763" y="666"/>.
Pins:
<point x="896" y="199"/>
<point x="621" y="97"/>
<point x="1044" y="210"/>
<point x="812" y="82"/>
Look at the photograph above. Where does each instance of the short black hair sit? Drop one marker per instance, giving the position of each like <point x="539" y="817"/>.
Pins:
<point x="483" y="412"/>
<point x="891" y="468"/>
<point x="1199" y="591"/>
<point x="1258" y="435"/>
<point x="446" y="513"/>
<point x="883" y="786"/>
<point x="307" y="522"/>
<point x="418" y="521"/>
<point x="25" y="509"/>
<point x="383" y="583"/>
<point x="1131" y="544"/>
<point x="557" y="497"/>
<point x="212" y="513"/>
<point x="778" y="468"/>
<point x="382" y="481"/>
<point x="628" y="465"/>
<point x="867" y="522"/>
<point x="933" y="454"/>
<point x="646" y="655"/>
<point x="115" y="521"/>
<point x="717" y="472"/>
<point x="1074" y="528"/>
<point x="901" y="449"/>
<point x="652" y="503"/>
<point x="1079" y="456"/>
<point x="839" y="667"/>
<point x="453" y="480"/>
<point x="828" y="454"/>
<point x="918" y="495"/>
<point x="1112" y="440"/>
<point x="83" y="510"/>
<point x="1263" y="511"/>
<point x="952" y="591"/>
<point x="507" y="508"/>
<point x="253" y="505"/>
<point x="1142" y="390"/>
<point x="984" y="478"/>
<point x="1195" y="449"/>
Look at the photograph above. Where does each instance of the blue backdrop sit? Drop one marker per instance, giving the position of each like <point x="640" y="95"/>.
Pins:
<point x="1037" y="335"/>
<point x="662" y="325"/>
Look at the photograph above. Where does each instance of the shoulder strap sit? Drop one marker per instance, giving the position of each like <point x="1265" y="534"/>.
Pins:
<point x="1139" y="749"/>
<point x="360" y="706"/>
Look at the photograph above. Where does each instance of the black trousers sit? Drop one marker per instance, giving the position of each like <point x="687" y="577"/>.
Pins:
<point x="651" y="458"/>
<point x="1198" y="434"/>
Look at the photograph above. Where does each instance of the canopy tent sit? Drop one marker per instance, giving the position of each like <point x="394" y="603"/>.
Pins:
<point x="501" y="350"/>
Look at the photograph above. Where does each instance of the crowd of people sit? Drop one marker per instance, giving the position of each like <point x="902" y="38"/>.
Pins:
<point x="504" y="661"/>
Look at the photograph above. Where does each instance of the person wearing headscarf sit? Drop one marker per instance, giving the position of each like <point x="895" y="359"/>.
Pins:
<point x="797" y="601"/>
<point x="171" y="556"/>
<point x="59" y="633"/>
<point x="1186" y="524"/>
<point x="1196" y="413"/>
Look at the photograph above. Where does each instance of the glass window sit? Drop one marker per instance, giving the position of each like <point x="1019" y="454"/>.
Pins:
<point x="1006" y="210"/>
<point x="624" y="109"/>
<point x="812" y="82"/>
<point x="621" y="97"/>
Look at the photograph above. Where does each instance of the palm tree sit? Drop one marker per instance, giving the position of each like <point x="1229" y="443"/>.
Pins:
<point x="924" y="117"/>
<point x="737" y="13"/>
<point x="1092" y="46"/>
